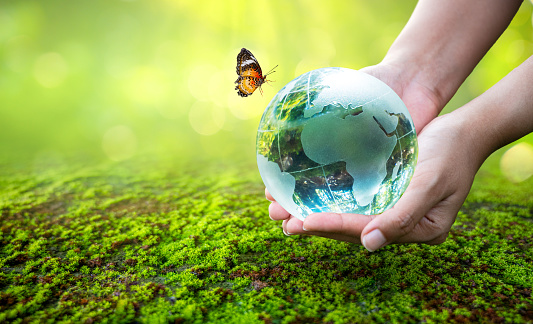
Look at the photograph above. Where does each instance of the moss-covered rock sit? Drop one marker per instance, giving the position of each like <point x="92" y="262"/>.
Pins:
<point x="150" y="241"/>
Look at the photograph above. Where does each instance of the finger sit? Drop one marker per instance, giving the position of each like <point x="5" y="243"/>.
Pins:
<point x="337" y="223"/>
<point x="268" y="195"/>
<point x="294" y="226"/>
<point x="434" y="227"/>
<point x="337" y="237"/>
<point x="439" y="239"/>
<point x="399" y="220"/>
<point x="276" y="212"/>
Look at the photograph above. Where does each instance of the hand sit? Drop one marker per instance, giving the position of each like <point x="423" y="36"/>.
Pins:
<point x="425" y="213"/>
<point x="423" y="104"/>
<point x="430" y="59"/>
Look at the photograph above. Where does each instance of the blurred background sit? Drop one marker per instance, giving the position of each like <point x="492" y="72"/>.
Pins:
<point x="115" y="79"/>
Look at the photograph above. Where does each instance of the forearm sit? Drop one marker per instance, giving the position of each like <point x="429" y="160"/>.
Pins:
<point x="501" y="115"/>
<point x="444" y="40"/>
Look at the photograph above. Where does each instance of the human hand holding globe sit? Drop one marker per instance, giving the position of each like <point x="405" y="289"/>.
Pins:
<point x="426" y="64"/>
<point x="336" y="140"/>
<point x="427" y="210"/>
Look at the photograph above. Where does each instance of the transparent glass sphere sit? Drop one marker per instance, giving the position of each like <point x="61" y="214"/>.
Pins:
<point x="336" y="140"/>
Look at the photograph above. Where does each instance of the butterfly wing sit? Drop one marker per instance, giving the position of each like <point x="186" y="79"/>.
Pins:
<point x="246" y="61"/>
<point x="246" y="85"/>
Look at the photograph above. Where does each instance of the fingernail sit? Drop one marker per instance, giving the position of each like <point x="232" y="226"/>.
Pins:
<point x="283" y="225"/>
<point x="374" y="240"/>
<point x="303" y="227"/>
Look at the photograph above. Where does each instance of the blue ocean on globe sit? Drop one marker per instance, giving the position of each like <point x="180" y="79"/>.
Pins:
<point x="336" y="140"/>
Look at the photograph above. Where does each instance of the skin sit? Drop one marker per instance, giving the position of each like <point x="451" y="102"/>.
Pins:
<point x="437" y="49"/>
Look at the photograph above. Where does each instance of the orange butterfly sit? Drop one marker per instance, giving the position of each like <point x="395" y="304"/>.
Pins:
<point x="250" y="74"/>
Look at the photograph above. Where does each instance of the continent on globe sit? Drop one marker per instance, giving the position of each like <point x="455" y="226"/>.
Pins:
<point x="353" y="134"/>
<point x="336" y="140"/>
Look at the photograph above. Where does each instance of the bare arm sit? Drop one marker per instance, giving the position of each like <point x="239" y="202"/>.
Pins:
<point x="502" y="114"/>
<point x="440" y="46"/>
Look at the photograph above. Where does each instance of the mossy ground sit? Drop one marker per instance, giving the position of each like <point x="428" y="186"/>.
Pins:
<point x="151" y="241"/>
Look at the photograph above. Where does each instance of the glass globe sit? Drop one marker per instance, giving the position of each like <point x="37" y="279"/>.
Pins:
<point x="336" y="140"/>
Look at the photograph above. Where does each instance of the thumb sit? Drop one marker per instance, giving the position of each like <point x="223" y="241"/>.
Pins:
<point x="399" y="220"/>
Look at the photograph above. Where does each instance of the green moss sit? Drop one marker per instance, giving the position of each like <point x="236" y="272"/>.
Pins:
<point x="150" y="241"/>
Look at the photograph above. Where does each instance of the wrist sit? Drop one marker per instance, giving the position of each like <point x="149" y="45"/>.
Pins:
<point x="424" y="72"/>
<point x="474" y="133"/>
<point x="442" y="43"/>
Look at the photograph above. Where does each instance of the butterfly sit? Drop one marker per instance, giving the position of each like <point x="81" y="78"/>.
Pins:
<point x="250" y="75"/>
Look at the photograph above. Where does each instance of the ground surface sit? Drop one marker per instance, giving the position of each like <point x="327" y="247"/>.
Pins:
<point x="152" y="241"/>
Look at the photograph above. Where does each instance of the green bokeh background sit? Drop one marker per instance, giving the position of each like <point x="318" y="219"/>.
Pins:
<point x="177" y="229"/>
<point x="157" y="76"/>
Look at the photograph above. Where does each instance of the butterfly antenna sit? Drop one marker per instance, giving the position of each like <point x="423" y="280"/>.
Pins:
<point x="271" y="71"/>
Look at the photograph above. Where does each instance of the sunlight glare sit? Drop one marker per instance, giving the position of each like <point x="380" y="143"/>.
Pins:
<point x="198" y="80"/>
<point x="516" y="163"/>
<point x="147" y="86"/>
<point x="50" y="69"/>
<point x="250" y="107"/>
<point x="119" y="143"/>
<point x="206" y="118"/>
